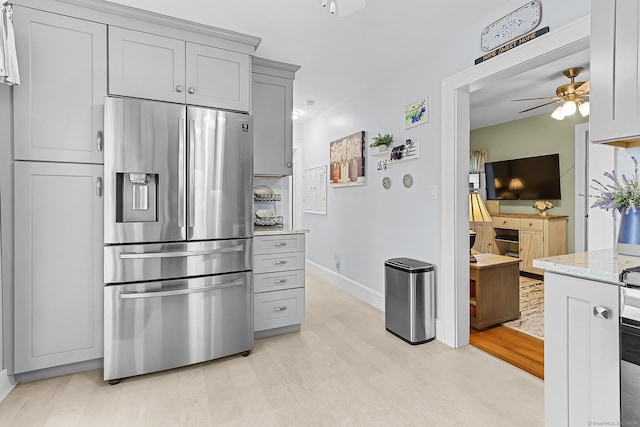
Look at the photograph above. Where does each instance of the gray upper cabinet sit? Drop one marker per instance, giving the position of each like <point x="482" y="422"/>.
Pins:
<point x="615" y="75"/>
<point x="272" y="105"/>
<point x="149" y="66"/>
<point x="58" y="264"/>
<point x="58" y="106"/>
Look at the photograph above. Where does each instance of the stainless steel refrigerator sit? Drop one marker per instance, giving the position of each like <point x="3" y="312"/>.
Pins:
<point x="178" y="235"/>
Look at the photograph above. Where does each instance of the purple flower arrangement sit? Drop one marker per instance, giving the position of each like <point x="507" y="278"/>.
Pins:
<point x="623" y="192"/>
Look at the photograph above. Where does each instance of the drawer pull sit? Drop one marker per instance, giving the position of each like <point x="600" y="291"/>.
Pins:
<point x="279" y="281"/>
<point x="279" y="262"/>
<point x="277" y="309"/>
<point x="278" y="244"/>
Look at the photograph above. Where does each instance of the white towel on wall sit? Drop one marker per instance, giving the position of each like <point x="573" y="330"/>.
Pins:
<point x="9" y="73"/>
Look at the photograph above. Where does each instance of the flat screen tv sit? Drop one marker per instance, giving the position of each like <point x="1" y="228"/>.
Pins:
<point x="530" y="178"/>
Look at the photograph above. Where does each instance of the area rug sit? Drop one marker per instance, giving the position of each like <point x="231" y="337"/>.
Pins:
<point x="531" y="319"/>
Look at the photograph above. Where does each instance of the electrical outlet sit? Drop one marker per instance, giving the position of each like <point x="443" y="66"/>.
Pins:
<point x="433" y="191"/>
<point x="336" y="260"/>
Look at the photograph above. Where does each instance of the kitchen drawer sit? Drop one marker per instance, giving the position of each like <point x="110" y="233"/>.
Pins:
<point x="267" y="263"/>
<point x="277" y="243"/>
<point x="267" y="282"/>
<point x="532" y="224"/>
<point x="504" y="222"/>
<point x="278" y="308"/>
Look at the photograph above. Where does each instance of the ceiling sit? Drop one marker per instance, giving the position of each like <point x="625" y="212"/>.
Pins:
<point x="493" y="104"/>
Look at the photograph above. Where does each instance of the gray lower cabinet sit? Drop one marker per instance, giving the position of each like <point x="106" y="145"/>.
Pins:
<point x="581" y="352"/>
<point x="615" y="75"/>
<point x="151" y="66"/>
<point x="58" y="107"/>
<point x="279" y="293"/>
<point x="272" y="105"/>
<point x="58" y="264"/>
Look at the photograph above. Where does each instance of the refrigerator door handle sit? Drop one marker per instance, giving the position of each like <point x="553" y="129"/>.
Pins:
<point x="177" y="254"/>
<point x="192" y="174"/>
<point x="181" y="180"/>
<point x="154" y="294"/>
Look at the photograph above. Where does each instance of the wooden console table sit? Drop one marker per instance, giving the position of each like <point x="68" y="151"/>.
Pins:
<point x="495" y="290"/>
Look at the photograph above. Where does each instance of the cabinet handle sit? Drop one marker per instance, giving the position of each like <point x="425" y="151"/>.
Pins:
<point x="601" y="312"/>
<point x="191" y="90"/>
<point x="276" y="244"/>
<point x="179" y="88"/>
<point x="99" y="187"/>
<point x="279" y="262"/>
<point x="99" y="140"/>
<point x="288" y="164"/>
<point x="279" y="281"/>
<point x="277" y="309"/>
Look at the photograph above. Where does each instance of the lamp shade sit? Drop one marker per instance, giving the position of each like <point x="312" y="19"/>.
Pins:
<point x="515" y="184"/>
<point x="477" y="210"/>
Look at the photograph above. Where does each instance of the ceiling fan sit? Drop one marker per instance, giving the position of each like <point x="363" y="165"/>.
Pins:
<point x="573" y="95"/>
<point x="344" y="7"/>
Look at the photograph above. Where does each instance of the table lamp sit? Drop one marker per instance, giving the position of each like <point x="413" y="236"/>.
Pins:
<point x="477" y="213"/>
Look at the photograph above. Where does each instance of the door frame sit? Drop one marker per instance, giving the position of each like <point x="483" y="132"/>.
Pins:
<point x="454" y="271"/>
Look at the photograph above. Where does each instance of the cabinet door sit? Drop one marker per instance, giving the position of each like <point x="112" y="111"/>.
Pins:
<point x="485" y="239"/>
<point x="146" y="66"/>
<point x="272" y="104"/>
<point x="615" y="75"/>
<point x="581" y="352"/>
<point x="58" y="264"/>
<point x="217" y="78"/>
<point x="531" y="247"/>
<point x="58" y="107"/>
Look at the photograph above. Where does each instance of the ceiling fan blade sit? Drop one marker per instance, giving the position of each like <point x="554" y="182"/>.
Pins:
<point x="536" y="99"/>
<point x="585" y="88"/>
<point x="347" y="7"/>
<point x="543" y="105"/>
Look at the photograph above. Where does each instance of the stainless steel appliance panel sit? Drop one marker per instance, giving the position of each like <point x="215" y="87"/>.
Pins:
<point x="630" y="351"/>
<point x="160" y="261"/>
<point x="162" y="325"/>
<point x="220" y="174"/>
<point x="143" y="154"/>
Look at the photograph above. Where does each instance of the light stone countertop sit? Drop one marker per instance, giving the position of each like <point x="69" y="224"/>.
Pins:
<point x="263" y="231"/>
<point x="604" y="265"/>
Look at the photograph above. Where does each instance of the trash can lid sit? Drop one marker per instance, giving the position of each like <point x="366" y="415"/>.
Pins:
<point x="408" y="264"/>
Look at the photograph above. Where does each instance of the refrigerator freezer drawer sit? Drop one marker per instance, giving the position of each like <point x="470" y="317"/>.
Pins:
<point x="270" y="244"/>
<point x="161" y="261"/>
<point x="155" y="326"/>
<point x="279" y="308"/>
<point x="278" y="281"/>
<point x="278" y="262"/>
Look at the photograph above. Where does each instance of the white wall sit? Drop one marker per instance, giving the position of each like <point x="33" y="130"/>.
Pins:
<point x="366" y="225"/>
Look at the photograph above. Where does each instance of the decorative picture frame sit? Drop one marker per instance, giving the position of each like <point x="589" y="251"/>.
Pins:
<point x="346" y="158"/>
<point x="416" y="113"/>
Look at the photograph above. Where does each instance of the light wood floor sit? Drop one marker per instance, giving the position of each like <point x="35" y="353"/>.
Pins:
<point x="515" y="347"/>
<point x="342" y="369"/>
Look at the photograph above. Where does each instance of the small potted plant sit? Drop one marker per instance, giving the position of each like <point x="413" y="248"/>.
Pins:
<point x="382" y="141"/>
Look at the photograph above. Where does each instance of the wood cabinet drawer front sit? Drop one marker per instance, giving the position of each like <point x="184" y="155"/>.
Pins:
<point x="277" y="309"/>
<point x="532" y="224"/>
<point x="503" y="222"/>
<point x="278" y="243"/>
<point x="268" y="263"/>
<point x="280" y="280"/>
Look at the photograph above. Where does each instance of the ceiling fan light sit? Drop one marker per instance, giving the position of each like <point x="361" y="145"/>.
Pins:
<point x="569" y="108"/>
<point x="557" y="113"/>
<point x="584" y="108"/>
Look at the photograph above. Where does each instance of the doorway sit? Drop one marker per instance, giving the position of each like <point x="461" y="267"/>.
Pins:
<point x="455" y="147"/>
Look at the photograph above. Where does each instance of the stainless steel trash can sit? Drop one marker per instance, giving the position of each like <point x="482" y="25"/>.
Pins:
<point x="409" y="307"/>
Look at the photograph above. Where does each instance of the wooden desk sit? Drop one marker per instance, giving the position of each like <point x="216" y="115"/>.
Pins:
<point x="497" y="290"/>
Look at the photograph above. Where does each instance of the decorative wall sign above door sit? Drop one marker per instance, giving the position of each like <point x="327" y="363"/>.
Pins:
<point x="510" y="27"/>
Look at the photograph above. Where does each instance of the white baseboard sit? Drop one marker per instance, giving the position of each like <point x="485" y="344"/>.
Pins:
<point x="358" y="290"/>
<point x="7" y="384"/>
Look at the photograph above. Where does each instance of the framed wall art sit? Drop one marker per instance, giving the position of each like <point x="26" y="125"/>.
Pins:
<point x="346" y="158"/>
<point x="416" y="114"/>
